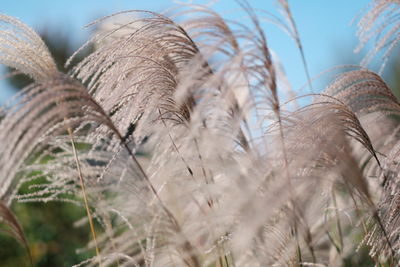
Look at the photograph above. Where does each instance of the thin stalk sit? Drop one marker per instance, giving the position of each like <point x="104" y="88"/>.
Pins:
<point x="187" y="246"/>
<point x="339" y="227"/>
<point x="84" y="193"/>
<point x="292" y="202"/>
<point x="85" y="198"/>
<point x="270" y="83"/>
<point x="210" y="202"/>
<point x="295" y="34"/>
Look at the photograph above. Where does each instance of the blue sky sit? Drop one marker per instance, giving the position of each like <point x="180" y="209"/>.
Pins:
<point x="324" y="27"/>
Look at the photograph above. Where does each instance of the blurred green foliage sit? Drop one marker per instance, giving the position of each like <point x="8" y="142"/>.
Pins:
<point x="52" y="238"/>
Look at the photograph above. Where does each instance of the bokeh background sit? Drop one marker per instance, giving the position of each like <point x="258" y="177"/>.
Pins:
<point x="327" y="30"/>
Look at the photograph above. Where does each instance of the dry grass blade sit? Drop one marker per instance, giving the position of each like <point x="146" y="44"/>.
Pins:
<point x="364" y="92"/>
<point x="368" y="95"/>
<point x="381" y="21"/>
<point x="21" y="48"/>
<point x="295" y="34"/>
<point x="13" y="228"/>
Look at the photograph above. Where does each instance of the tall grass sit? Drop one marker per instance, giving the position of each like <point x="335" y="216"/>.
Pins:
<point x="182" y="146"/>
